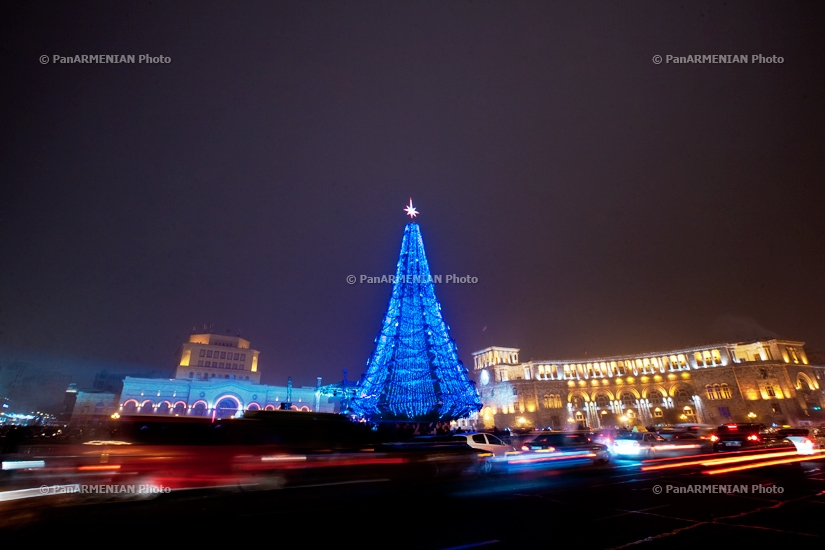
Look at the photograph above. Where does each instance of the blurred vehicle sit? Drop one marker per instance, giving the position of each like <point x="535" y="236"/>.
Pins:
<point x="703" y="431"/>
<point x="747" y="435"/>
<point x="680" y="439"/>
<point x="568" y="444"/>
<point x="606" y="436"/>
<point x="269" y="449"/>
<point x="489" y="449"/>
<point x="485" y="442"/>
<point x="640" y="445"/>
<point x="806" y="440"/>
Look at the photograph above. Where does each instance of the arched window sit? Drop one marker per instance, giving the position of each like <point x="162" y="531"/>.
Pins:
<point x="803" y="382"/>
<point x="602" y="401"/>
<point x="712" y="392"/>
<point x="227" y="408"/>
<point x="628" y="400"/>
<point x="724" y="391"/>
<point x="655" y="398"/>
<point x="547" y="403"/>
<point x="577" y="402"/>
<point x="682" y="396"/>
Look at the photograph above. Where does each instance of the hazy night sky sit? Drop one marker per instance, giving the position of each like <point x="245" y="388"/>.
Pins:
<point x="606" y="204"/>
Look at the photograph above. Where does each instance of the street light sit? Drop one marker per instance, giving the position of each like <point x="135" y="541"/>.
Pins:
<point x="751" y="415"/>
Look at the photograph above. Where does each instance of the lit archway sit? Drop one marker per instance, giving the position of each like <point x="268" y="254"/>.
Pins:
<point x="199" y="408"/>
<point x="227" y="406"/>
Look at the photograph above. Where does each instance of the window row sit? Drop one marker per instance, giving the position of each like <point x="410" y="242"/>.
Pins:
<point x="718" y="391"/>
<point x="223" y="355"/>
<point x="226" y="376"/>
<point x="552" y="401"/>
<point x="628" y="399"/>
<point x="707" y="358"/>
<point x="220" y="365"/>
<point x="647" y="365"/>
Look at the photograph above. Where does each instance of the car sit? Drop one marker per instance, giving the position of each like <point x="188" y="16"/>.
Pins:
<point x="680" y="439"/>
<point x="567" y="445"/>
<point x="490" y="450"/>
<point x="640" y="445"/>
<point x="746" y="435"/>
<point x="807" y="441"/>
<point x="606" y="436"/>
<point x="703" y="431"/>
<point x="485" y="442"/>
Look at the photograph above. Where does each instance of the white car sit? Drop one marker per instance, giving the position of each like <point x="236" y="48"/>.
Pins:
<point x="639" y="445"/>
<point x="807" y="441"/>
<point x="486" y="442"/>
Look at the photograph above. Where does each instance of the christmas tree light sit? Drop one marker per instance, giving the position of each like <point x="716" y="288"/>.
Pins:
<point x="414" y="372"/>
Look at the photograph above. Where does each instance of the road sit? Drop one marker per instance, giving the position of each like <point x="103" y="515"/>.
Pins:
<point x="624" y="504"/>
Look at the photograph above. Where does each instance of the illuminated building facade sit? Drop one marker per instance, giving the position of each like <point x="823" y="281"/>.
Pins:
<point x="769" y="381"/>
<point x="207" y="356"/>
<point x="218" y="376"/>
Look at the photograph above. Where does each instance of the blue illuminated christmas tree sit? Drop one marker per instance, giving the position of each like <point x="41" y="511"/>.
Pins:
<point x="414" y="373"/>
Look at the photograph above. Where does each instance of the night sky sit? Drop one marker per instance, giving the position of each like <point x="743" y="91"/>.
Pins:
<point x="606" y="204"/>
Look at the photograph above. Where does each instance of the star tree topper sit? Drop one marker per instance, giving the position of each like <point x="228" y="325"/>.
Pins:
<point x="410" y="210"/>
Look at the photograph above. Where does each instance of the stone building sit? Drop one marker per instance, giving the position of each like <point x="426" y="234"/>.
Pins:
<point x="769" y="381"/>
<point x="215" y="375"/>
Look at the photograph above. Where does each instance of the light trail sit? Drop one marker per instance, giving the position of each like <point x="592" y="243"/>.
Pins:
<point x="726" y="460"/>
<point x="760" y="465"/>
